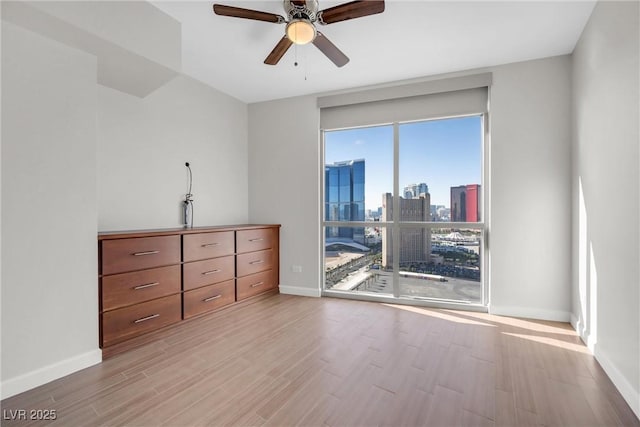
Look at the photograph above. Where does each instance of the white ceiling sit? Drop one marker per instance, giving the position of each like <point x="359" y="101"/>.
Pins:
<point x="409" y="39"/>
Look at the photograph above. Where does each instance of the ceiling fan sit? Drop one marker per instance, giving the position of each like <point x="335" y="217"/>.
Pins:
<point x="302" y="15"/>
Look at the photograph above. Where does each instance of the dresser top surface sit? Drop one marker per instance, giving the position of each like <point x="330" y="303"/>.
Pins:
<point x="126" y="234"/>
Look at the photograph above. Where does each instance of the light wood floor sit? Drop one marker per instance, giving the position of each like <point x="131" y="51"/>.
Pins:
<point x="289" y="360"/>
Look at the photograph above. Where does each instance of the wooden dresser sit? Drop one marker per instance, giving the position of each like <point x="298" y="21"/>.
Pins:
<point x="150" y="279"/>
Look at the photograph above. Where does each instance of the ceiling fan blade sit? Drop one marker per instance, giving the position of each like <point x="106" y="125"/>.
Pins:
<point x="330" y="50"/>
<point x="351" y="10"/>
<point x="238" y="12"/>
<point x="278" y="52"/>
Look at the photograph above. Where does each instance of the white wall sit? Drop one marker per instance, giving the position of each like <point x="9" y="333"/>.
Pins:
<point x="284" y="164"/>
<point x="530" y="124"/>
<point x="138" y="47"/>
<point x="49" y="251"/>
<point x="138" y="26"/>
<point x="78" y="157"/>
<point x="606" y="195"/>
<point x="143" y="145"/>
<point x="530" y="189"/>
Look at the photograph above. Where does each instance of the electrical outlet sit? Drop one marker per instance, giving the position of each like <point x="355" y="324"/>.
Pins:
<point x="296" y="268"/>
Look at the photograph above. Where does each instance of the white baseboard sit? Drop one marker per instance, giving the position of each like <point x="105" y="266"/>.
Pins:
<point x="581" y="329"/>
<point x="299" y="290"/>
<point x="575" y="323"/>
<point x="630" y="395"/>
<point x="46" y="374"/>
<point x="530" y="313"/>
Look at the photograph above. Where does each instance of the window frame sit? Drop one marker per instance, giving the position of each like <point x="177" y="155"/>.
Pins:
<point x="397" y="225"/>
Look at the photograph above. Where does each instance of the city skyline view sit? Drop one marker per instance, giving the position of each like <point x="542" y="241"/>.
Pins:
<point x="441" y="153"/>
<point x="439" y="164"/>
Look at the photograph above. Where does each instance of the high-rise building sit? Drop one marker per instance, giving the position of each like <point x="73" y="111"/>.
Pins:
<point x="415" y="243"/>
<point x="465" y="203"/>
<point x="459" y="203"/>
<point x="473" y="202"/>
<point x="435" y="216"/>
<point x="344" y="198"/>
<point x="413" y="191"/>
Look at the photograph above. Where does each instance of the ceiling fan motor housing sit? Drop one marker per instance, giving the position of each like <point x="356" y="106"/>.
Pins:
<point x="307" y="10"/>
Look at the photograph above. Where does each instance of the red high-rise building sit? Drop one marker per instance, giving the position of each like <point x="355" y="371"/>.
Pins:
<point x="465" y="203"/>
<point x="473" y="202"/>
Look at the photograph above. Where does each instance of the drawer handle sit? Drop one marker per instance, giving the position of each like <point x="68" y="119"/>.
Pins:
<point x="255" y="285"/>
<point x="211" y="298"/>
<point x="259" y="239"/>
<point x="208" y="245"/>
<point x="144" y="319"/>
<point x="260" y="261"/>
<point x="145" y="253"/>
<point x="148" y="285"/>
<point x="206" y="273"/>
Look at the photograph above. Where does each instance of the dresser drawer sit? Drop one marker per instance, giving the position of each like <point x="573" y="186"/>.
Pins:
<point x="121" y="255"/>
<point x="207" y="245"/>
<point x="254" y="240"/>
<point x="254" y="262"/>
<point x="121" y="324"/>
<point x="209" y="298"/>
<point x="207" y="272"/>
<point x="254" y="284"/>
<point x="120" y="290"/>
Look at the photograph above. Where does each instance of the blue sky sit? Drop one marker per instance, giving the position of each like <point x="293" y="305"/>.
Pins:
<point x="442" y="153"/>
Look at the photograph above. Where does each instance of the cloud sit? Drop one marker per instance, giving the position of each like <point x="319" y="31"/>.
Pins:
<point x="359" y="142"/>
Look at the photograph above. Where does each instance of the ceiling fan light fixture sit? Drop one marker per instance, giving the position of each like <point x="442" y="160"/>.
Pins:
<point x="301" y="31"/>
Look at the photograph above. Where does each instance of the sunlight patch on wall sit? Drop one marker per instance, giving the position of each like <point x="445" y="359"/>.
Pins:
<point x="593" y="301"/>
<point x="582" y="261"/>
<point x="587" y="325"/>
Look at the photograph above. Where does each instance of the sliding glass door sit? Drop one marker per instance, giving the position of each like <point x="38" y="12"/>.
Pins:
<point x="403" y="210"/>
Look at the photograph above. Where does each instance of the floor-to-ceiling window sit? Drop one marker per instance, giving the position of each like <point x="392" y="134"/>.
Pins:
<point x="440" y="209"/>
<point x="358" y="175"/>
<point x="404" y="206"/>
